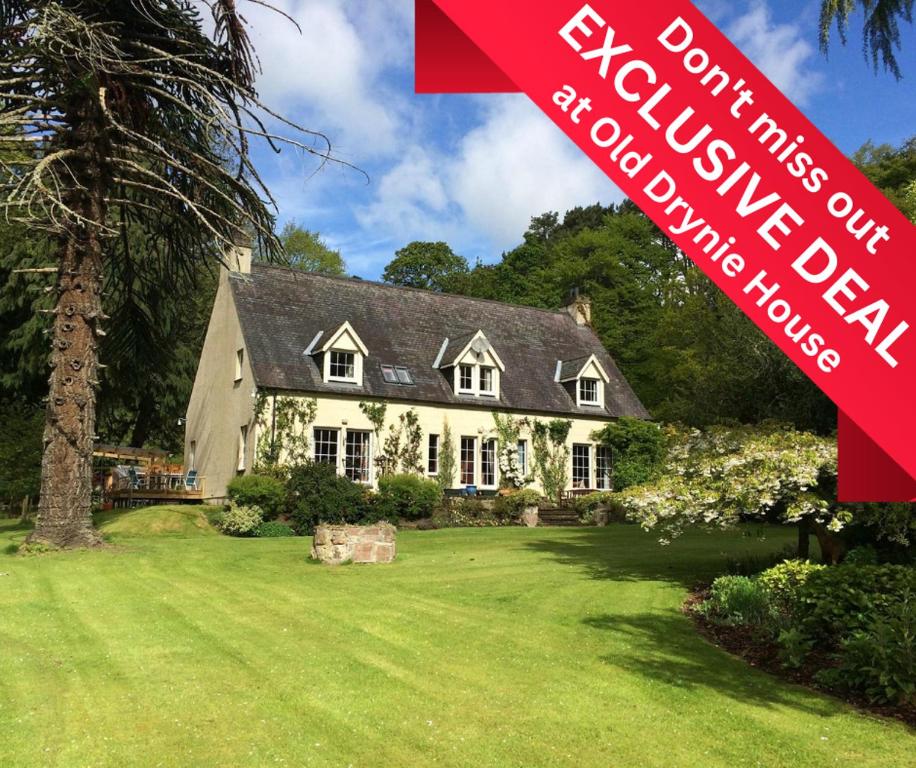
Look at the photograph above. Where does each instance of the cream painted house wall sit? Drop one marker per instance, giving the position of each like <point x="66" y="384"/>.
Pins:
<point x="222" y="432"/>
<point x="343" y="414"/>
<point x="222" y="401"/>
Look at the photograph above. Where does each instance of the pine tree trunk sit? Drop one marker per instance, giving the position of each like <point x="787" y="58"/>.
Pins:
<point x="65" y="506"/>
<point x="64" y="510"/>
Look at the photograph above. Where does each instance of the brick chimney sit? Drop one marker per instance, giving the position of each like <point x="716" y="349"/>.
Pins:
<point x="579" y="307"/>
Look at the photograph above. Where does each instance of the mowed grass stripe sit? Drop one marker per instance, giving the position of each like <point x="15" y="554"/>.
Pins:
<point x="506" y="647"/>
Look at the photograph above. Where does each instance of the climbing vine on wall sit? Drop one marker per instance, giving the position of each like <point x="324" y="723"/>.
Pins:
<point x="448" y="461"/>
<point x="551" y="455"/>
<point x="404" y="445"/>
<point x="283" y="435"/>
<point x="376" y="413"/>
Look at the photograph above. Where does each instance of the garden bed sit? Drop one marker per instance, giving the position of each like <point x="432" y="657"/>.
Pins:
<point x="760" y="651"/>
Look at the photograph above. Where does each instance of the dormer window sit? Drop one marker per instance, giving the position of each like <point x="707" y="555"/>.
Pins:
<point x="474" y="364"/>
<point x="342" y="366"/>
<point x="588" y="392"/>
<point x="340" y="357"/>
<point x="466" y="379"/>
<point x="487" y="386"/>
<point x="584" y="378"/>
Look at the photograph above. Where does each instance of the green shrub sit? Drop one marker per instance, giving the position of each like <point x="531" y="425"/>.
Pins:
<point x="881" y="662"/>
<point x="838" y="601"/>
<point x="273" y="530"/>
<point x="509" y="508"/>
<point x="783" y="582"/>
<point x="862" y="555"/>
<point x="585" y="506"/>
<point x="464" y="512"/>
<point x="737" y="600"/>
<point x="639" y="450"/>
<point x="237" y="520"/>
<point x="794" y="647"/>
<point x="317" y="494"/>
<point x="410" y="497"/>
<point x="750" y="564"/>
<point x="262" y="491"/>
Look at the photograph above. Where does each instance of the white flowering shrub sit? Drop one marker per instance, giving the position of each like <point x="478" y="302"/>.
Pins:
<point x="716" y="476"/>
<point x="238" y="520"/>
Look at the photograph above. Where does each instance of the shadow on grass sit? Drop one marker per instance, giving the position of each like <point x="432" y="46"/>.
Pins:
<point x="666" y="649"/>
<point x="627" y="553"/>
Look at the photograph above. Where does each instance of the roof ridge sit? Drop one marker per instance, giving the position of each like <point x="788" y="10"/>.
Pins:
<point x="380" y="284"/>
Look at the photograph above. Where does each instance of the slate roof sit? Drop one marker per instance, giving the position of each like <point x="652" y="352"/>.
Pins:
<point x="570" y="368"/>
<point x="281" y="310"/>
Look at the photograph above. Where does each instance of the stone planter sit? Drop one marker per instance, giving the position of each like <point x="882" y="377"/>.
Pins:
<point x="336" y="544"/>
<point x="530" y="516"/>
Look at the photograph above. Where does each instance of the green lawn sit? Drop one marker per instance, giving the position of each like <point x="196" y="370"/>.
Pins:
<point x="492" y="647"/>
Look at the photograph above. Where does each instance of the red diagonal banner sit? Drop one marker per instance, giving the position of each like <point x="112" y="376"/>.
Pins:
<point x="744" y="184"/>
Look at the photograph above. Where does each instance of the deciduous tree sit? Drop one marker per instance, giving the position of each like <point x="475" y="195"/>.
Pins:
<point x="426" y="265"/>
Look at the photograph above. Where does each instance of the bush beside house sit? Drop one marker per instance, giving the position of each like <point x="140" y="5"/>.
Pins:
<point x="238" y="520"/>
<point x="850" y="627"/>
<point x="408" y="497"/>
<point x="317" y="494"/>
<point x="262" y="491"/>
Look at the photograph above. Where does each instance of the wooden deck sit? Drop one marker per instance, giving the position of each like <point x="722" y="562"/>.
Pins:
<point x="129" y="497"/>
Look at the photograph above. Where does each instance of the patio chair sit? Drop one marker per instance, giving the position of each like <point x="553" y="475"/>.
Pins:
<point x="190" y="480"/>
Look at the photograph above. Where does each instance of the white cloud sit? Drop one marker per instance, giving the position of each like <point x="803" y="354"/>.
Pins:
<point x="518" y="164"/>
<point x="514" y="165"/>
<point x="779" y="50"/>
<point x="331" y="73"/>
<point x="411" y="201"/>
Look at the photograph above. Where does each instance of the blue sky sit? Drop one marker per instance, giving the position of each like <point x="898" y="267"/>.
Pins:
<point x="473" y="170"/>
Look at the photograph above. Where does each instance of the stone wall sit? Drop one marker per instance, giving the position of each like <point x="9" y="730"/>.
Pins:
<point x="337" y="544"/>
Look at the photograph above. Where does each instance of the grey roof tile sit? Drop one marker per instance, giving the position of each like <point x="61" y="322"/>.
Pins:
<point x="282" y="309"/>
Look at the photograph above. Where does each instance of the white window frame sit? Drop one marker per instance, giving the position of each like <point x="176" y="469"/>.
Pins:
<point x="462" y="390"/>
<point x="476" y="379"/>
<point x="433" y="443"/>
<point x="522" y="457"/>
<point x="357" y="376"/>
<point x="599" y="394"/>
<point x="491" y="390"/>
<point x="461" y="454"/>
<point x="192" y="455"/>
<point x="243" y="448"/>
<point x="588" y="480"/>
<point x="489" y="444"/>
<point x="239" y="364"/>
<point x="604" y="480"/>
<point x="336" y="443"/>
<point x="367" y="434"/>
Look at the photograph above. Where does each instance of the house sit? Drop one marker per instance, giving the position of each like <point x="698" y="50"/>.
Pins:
<point x="293" y="364"/>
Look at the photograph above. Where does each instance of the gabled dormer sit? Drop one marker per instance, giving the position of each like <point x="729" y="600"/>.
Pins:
<point x="584" y="379"/>
<point x="474" y="367"/>
<point x="340" y="355"/>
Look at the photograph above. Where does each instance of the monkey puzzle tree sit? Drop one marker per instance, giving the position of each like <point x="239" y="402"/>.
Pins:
<point x="124" y="121"/>
<point x="880" y="30"/>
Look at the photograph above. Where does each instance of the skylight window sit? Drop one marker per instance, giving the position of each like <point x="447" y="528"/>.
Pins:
<point x="397" y="374"/>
